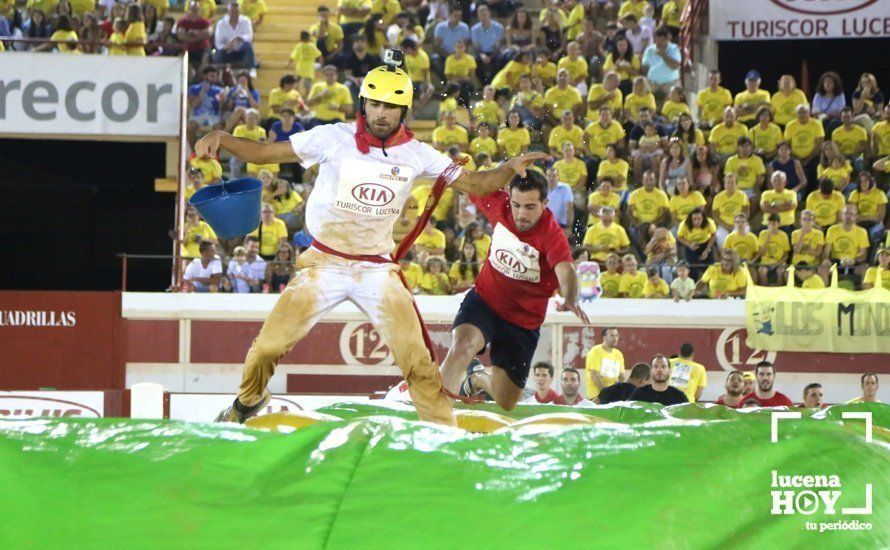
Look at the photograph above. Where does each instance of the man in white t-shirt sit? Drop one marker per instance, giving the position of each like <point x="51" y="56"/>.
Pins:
<point x="366" y="170"/>
<point x="204" y="273"/>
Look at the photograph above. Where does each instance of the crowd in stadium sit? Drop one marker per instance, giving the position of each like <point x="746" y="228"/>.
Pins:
<point x="674" y="198"/>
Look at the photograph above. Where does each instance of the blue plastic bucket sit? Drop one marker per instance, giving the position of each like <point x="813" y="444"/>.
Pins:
<point x="232" y="208"/>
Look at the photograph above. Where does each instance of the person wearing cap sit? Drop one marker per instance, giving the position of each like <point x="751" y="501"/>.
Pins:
<point x="366" y="170"/>
<point x="879" y="272"/>
<point x="329" y="99"/>
<point x="750" y="100"/>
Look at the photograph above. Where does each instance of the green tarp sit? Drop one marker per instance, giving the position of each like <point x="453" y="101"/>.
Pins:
<point x="690" y="476"/>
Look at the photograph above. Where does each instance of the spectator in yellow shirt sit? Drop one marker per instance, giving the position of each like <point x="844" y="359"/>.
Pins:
<point x="614" y="168"/>
<point x="846" y="243"/>
<point x="483" y="142"/>
<point x="254" y="10"/>
<point x="572" y="171"/>
<point x="330" y="99"/>
<point x="194" y="232"/>
<point x="117" y="39"/>
<point x="624" y="62"/>
<point x="647" y="208"/>
<point x="303" y="58"/>
<point x="604" y="363"/>
<point x="805" y="134"/>
<point x="514" y="139"/>
<point x="655" y="286"/>
<point x="463" y="272"/>
<point x="826" y="203"/>
<point x="774" y="247"/>
<point x="748" y="167"/>
<point x="880" y="272"/>
<point x="633" y="282"/>
<point x="562" y="97"/>
<point x="576" y="65"/>
<point x="880" y="135"/>
<point x="697" y="235"/>
<point x="785" y="101"/>
<point x="712" y="102"/>
<point x="543" y="71"/>
<point x="606" y="237"/>
<point x="780" y="200"/>
<point x="569" y="132"/>
<point x="726" y="205"/>
<point x="610" y="279"/>
<point x="435" y="280"/>
<point x="66" y="36"/>
<point x="871" y="205"/>
<point x="272" y="233"/>
<point x="640" y="97"/>
<point x="487" y="109"/>
<point x="808" y="241"/>
<point x="724" y="137"/>
<point x="661" y="251"/>
<point x="741" y="240"/>
<point x="412" y="271"/>
<point x="749" y="101"/>
<point x="806" y="274"/>
<point x="766" y="135"/>
<point x="285" y="96"/>
<point x="603" y="132"/>
<point x="327" y="34"/>
<point x="450" y="133"/>
<point x="687" y="375"/>
<point x="726" y="279"/>
<point x="684" y="201"/>
<point x="509" y="76"/>
<point x="601" y="198"/>
<point x="460" y="67"/>
<point x="852" y="139"/>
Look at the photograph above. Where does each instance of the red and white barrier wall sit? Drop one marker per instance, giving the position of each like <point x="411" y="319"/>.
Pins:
<point x="195" y="343"/>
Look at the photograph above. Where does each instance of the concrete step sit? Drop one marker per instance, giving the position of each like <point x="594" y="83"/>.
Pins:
<point x="279" y="50"/>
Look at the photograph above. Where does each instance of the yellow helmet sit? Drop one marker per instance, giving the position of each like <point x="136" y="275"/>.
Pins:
<point x="389" y="85"/>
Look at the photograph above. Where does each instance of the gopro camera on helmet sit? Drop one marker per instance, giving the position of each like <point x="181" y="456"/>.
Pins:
<point x="393" y="58"/>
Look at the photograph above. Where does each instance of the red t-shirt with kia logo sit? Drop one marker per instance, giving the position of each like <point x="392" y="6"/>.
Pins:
<point x="517" y="278"/>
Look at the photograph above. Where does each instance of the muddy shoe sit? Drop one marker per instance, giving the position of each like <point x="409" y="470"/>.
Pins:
<point x="236" y="412"/>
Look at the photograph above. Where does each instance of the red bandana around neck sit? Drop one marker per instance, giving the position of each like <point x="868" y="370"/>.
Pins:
<point x="364" y="140"/>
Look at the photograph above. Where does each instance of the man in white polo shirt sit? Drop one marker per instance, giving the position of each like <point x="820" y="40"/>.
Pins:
<point x="366" y="170"/>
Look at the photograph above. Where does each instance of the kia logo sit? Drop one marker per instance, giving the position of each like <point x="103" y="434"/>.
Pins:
<point x="509" y="260"/>
<point x="821" y="7"/>
<point x="373" y="194"/>
<point x="20" y="406"/>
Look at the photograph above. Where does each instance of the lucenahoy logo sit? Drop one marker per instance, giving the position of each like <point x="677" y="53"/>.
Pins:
<point x="821" y="7"/>
<point x="373" y="194"/>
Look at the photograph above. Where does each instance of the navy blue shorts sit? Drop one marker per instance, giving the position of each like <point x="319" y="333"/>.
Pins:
<point x="512" y="346"/>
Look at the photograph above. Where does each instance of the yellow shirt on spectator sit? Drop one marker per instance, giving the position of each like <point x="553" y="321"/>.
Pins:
<point x="712" y="104"/>
<point x="577" y="67"/>
<point x="210" y="167"/>
<point x="846" y="244"/>
<point x="867" y="203"/>
<point x="814" y="282"/>
<point x="658" y="290"/>
<point x="561" y="100"/>
<point x="785" y="107"/>
<point x="610" y="282"/>
<point x="488" y="111"/>
<point x="660" y="248"/>
<point x="837" y="175"/>
<point x="632" y="285"/>
<point x="747" y="98"/>
<point x="871" y="276"/>
<point x="699" y="235"/>
<point x="802" y="137"/>
<point x="766" y="140"/>
<point x="614" y="237"/>
<point x="69" y="36"/>
<point x="338" y="96"/>
<point x="482" y="245"/>
<point x="436" y="285"/>
<point x="786" y="196"/>
<point x="633" y="103"/>
<point x="618" y="170"/>
<point x="190" y="247"/>
<point x="460" y="67"/>
<point x="344" y="19"/>
<point x="416" y="64"/>
<point x="483" y="145"/>
<point x="560" y="135"/>
<point x="281" y="98"/>
<point x="648" y="204"/>
<point x="597" y="91"/>
<point x="208" y="9"/>
<point x="777" y="248"/>
<point x="622" y="70"/>
<point x="726" y="139"/>
<point x="335" y="34"/>
<point x="726" y="206"/>
<point x="283" y="204"/>
<point x="826" y="209"/>
<point x="431" y="241"/>
<point x="575" y="22"/>
<point x="815" y="238"/>
<point x="687" y="376"/>
<point x="253" y="9"/>
<point x="671" y="12"/>
<point x="718" y="281"/>
<point x="744" y="245"/>
<point x="257" y="133"/>
<point x="746" y="170"/>
<point x="545" y="72"/>
<point x="636" y="7"/>
<point x="46" y="6"/>
<point x="304" y="56"/>
<point x="80" y="7"/>
<point x="673" y="109"/>
<point x="532" y="100"/>
<point x="608" y="364"/>
<point x="849" y="140"/>
<point x="598" y="137"/>
<point x="413" y="274"/>
<point x="600" y="199"/>
<point x="512" y="141"/>
<point x="570" y="172"/>
<point x="882" y="131"/>
<point x="681" y="206"/>
<point x="454" y="136"/>
<point x="115" y="46"/>
<point x="389" y="9"/>
<point x="457" y="277"/>
<point x="136" y="33"/>
<point x="271" y="236"/>
<point x="509" y="75"/>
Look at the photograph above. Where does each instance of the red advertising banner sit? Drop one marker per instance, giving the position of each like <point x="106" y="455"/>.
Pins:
<point x="62" y="340"/>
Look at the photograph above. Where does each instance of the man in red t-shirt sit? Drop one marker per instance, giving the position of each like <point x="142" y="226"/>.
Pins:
<point x="194" y="32"/>
<point x="764" y="394"/>
<point x="529" y="258"/>
<point x="543" y="372"/>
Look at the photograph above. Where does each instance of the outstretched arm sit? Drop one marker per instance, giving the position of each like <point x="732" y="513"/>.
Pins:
<point x="488" y="181"/>
<point x="245" y="149"/>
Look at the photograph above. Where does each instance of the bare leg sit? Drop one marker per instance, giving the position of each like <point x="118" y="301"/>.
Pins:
<point x="467" y="341"/>
<point x="495" y="382"/>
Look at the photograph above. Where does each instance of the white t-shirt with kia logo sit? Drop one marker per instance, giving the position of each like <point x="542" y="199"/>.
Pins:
<point x="358" y="197"/>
